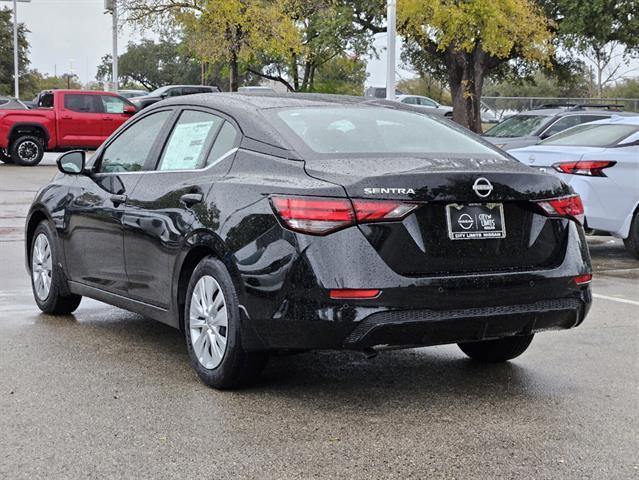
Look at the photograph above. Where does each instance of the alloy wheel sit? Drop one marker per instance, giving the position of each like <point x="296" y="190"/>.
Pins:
<point x="28" y="151"/>
<point x="208" y="322"/>
<point x="41" y="266"/>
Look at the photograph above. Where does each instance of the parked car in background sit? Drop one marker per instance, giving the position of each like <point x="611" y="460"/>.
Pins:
<point x="9" y="103"/>
<point x="170" y="91"/>
<point x="63" y="120"/>
<point x="426" y="102"/>
<point x="261" y="224"/>
<point x="379" y="92"/>
<point x="256" y="89"/>
<point x="600" y="161"/>
<point x="530" y="127"/>
<point x="132" y="93"/>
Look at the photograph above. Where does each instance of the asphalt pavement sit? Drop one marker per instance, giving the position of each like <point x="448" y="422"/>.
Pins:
<point x="109" y="394"/>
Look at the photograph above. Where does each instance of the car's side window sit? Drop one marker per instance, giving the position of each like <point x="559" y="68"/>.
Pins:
<point x="175" y="92"/>
<point x="427" y="103"/>
<point x="81" y="103"/>
<point x="410" y="100"/>
<point x="225" y="141"/>
<point x="112" y="104"/>
<point x="190" y="141"/>
<point x="130" y="150"/>
<point x="591" y="118"/>
<point x="562" y="124"/>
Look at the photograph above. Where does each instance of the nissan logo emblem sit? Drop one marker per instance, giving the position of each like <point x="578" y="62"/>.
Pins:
<point x="482" y="187"/>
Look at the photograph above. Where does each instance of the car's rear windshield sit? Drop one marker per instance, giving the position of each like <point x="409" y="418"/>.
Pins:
<point x="375" y="130"/>
<point x="518" y="126"/>
<point x="592" y="135"/>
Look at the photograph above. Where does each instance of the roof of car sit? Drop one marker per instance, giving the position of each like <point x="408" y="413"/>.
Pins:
<point x="629" y="118"/>
<point x="244" y="107"/>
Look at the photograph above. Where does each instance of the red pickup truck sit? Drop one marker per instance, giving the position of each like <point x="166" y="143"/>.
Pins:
<point x="63" y="120"/>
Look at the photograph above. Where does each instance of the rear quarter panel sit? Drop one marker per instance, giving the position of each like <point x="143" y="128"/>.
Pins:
<point x="44" y="118"/>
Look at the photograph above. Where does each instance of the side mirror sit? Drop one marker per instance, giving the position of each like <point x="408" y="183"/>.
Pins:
<point x="72" y="163"/>
<point x="164" y="95"/>
<point x="130" y="109"/>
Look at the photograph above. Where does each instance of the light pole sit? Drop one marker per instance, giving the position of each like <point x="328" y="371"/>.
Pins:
<point x="391" y="9"/>
<point x="16" y="66"/>
<point x="111" y="6"/>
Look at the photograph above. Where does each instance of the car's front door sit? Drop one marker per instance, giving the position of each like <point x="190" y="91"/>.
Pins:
<point x="165" y="203"/>
<point x="94" y="244"/>
<point x="80" y="120"/>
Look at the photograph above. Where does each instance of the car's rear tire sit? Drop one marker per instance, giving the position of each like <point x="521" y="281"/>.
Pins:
<point x="4" y="157"/>
<point x="212" y="329"/>
<point x="632" y="242"/>
<point x="47" y="281"/>
<point x="27" y="150"/>
<point x="499" y="350"/>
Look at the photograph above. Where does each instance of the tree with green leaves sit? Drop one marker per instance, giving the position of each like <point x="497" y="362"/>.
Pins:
<point x="6" y="52"/>
<point x="152" y="65"/>
<point x="234" y="32"/>
<point x="604" y="31"/>
<point x="467" y="41"/>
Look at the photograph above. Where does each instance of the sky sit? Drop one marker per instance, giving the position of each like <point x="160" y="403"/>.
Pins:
<point x="73" y="35"/>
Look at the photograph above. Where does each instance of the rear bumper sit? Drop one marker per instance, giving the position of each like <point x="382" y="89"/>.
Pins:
<point x="416" y="327"/>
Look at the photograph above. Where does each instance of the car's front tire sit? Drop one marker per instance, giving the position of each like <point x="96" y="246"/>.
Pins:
<point x="632" y="242"/>
<point x="212" y="329"/>
<point x="47" y="281"/>
<point x="27" y="150"/>
<point x="499" y="350"/>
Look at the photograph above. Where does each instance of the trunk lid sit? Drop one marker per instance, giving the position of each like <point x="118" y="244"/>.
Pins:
<point x="420" y="244"/>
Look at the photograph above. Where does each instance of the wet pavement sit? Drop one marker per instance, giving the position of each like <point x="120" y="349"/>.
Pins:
<point x="109" y="394"/>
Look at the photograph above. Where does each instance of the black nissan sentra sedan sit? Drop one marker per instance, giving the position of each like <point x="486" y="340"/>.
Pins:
<point x="261" y="224"/>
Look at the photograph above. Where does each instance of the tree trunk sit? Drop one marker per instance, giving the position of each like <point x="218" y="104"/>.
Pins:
<point x="233" y="77"/>
<point x="296" y="75"/>
<point x="307" y="72"/>
<point x="466" y="79"/>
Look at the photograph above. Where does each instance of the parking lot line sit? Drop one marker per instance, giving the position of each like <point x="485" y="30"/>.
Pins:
<point x="615" y="299"/>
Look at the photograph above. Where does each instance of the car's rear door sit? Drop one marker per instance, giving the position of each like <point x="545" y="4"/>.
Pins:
<point x="112" y="114"/>
<point x="94" y="244"/>
<point x="167" y="202"/>
<point x="80" y="120"/>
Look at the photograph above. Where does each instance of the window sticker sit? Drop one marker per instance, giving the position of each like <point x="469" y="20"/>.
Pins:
<point x="184" y="150"/>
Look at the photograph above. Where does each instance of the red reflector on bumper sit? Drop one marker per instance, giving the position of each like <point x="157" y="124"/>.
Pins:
<point x="352" y="294"/>
<point x="583" y="279"/>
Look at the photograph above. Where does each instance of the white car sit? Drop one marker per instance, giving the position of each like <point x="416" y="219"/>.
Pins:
<point x="421" y="101"/>
<point x="600" y="161"/>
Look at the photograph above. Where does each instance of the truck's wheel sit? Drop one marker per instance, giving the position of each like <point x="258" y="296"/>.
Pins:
<point x="632" y="242"/>
<point x="4" y="157"/>
<point x="27" y="150"/>
<point x="499" y="350"/>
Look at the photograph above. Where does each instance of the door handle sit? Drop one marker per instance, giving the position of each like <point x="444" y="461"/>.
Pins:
<point x="107" y="118"/>
<point x="190" y="199"/>
<point x="66" y="117"/>
<point x="118" y="199"/>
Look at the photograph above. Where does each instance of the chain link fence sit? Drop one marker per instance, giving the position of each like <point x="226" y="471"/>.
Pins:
<point x="505" y="106"/>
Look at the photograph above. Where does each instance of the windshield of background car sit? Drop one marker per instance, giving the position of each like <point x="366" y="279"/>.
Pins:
<point x="518" y="126"/>
<point x="375" y="130"/>
<point x="592" y="135"/>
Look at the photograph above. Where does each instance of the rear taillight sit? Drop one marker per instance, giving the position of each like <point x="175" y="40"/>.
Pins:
<point x="583" y="279"/>
<point x="589" y="168"/>
<point x="570" y="207"/>
<point x="320" y="216"/>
